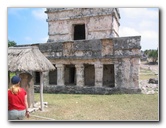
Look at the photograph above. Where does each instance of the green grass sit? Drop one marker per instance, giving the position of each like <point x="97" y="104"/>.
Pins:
<point x="119" y="107"/>
<point x="146" y="74"/>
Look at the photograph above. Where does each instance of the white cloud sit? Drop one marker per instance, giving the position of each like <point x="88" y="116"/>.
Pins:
<point x="39" y="40"/>
<point x="147" y="13"/>
<point x="28" y="38"/>
<point x="39" y="13"/>
<point x="148" y="25"/>
<point x="126" y="31"/>
<point x="44" y="40"/>
<point x="143" y="22"/>
<point x="15" y="11"/>
<point x="149" y="39"/>
<point x="150" y="35"/>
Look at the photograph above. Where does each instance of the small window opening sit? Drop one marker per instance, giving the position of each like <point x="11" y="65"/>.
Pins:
<point x="79" y="32"/>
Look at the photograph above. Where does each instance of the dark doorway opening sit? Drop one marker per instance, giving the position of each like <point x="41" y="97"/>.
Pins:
<point x="37" y="78"/>
<point x="89" y="75"/>
<point x="53" y="77"/>
<point x="108" y="75"/>
<point x="79" y="32"/>
<point x="70" y="74"/>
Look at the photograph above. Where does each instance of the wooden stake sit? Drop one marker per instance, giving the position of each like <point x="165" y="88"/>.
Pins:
<point x="41" y="91"/>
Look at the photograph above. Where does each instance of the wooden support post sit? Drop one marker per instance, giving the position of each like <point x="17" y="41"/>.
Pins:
<point x="41" y="91"/>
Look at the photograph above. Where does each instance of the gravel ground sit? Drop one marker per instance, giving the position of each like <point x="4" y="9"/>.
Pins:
<point x="148" y="88"/>
<point x="153" y="68"/>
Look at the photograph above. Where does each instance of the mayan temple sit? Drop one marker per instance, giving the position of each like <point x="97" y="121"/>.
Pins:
<point x="89" y="55"/>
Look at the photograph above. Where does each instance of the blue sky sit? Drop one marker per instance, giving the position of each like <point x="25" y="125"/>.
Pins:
<point x="29" y="26"/>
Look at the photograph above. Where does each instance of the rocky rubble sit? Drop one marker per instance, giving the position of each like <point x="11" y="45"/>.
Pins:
<point x="37" y="107"/>
<point x="148" y="88"/>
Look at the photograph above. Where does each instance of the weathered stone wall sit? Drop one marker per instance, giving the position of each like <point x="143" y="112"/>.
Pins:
<point x="85" y="90"/>
<point x="122" y="53"/>
<point x="99" y="23"/>
<point x="127" y="73"/>
<point x="100" y="63"/>
<point x="111" y="48"/>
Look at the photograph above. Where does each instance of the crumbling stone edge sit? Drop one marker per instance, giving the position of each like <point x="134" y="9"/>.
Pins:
<point x="86" y="90"/>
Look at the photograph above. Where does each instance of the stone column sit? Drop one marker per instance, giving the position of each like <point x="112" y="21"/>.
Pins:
<point x="126" y="73"/>
<point x="118" y="68"/>
<point x="134" y="73"/>
<point x="80" y="75"/>
<point x="116" y="74"/>
<point x="60" y="74"/>
<point x="98" y="75"/>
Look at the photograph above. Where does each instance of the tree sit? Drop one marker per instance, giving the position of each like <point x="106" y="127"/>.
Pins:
<point x="152" y="54"/>
<point x="11" y="43"/>
<point x="147" y="52"/>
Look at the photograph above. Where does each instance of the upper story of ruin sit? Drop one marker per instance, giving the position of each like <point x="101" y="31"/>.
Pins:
<point x="68" y="24"/>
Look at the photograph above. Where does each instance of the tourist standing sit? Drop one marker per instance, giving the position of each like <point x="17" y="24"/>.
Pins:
<point x="17" y="101"/>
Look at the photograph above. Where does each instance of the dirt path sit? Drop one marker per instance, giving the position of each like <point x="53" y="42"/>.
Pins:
<point x="153" y="68"/>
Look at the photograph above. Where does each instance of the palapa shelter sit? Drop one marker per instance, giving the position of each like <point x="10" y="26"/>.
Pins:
<point x="26" y="60"/>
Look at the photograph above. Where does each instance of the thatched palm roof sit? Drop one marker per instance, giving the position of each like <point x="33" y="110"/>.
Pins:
<point x="27" y="59"/>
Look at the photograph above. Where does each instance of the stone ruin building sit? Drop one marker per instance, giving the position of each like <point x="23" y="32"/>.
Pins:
<point x="89" y="56"/>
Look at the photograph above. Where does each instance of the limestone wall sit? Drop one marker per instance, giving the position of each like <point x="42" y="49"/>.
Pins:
<point x="117" y="58"/>
<point x="120" y="47"/>
<point x="99" y="23"/>
<point x="85" y="90"/>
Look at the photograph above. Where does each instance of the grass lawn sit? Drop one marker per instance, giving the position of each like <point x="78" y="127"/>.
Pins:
<point x="119" y="107"/>
<point x="146" y="74"/>
<point x="116" y="107"/>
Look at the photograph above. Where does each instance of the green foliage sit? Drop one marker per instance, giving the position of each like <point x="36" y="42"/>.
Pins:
<point x="12" y="74"/>
<point x="11" y="43"/>
<point x="152" y="54"/>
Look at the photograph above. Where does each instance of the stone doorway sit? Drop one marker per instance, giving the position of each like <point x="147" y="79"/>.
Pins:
<point x="108" y="75"/>
<point x="53" y="77"/>
<point x="89" y="75"/>
<point x="70" y="75"/>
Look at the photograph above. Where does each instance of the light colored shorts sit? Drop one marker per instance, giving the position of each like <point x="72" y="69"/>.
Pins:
<point x="16" y="114"/>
